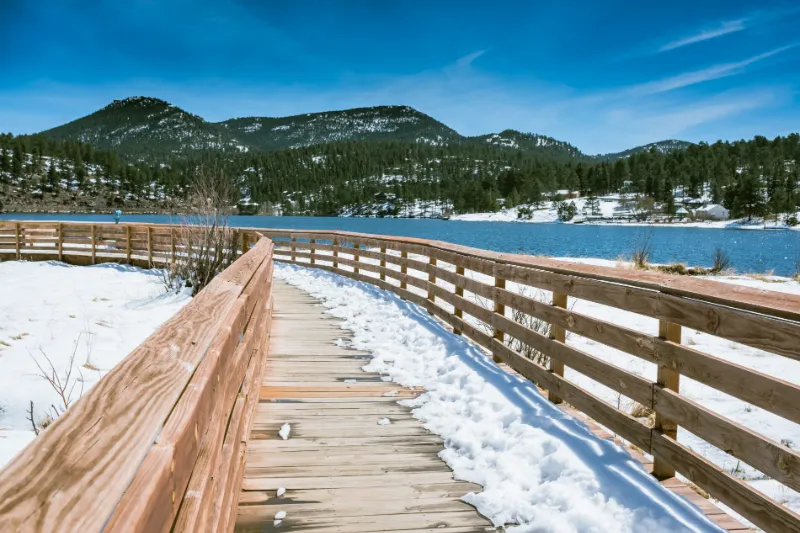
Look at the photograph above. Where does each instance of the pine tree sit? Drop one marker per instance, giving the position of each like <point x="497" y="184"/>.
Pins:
<point x="749" y="198"/>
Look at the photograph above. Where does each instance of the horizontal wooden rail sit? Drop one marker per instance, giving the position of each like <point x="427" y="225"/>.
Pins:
<point x="157" y="444"/>
<point x="469" y="290"/>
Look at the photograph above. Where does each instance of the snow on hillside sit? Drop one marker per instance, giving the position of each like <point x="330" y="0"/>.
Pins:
<point x="50" y="310"/>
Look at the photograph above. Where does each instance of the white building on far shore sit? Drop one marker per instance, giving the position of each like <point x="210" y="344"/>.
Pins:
<point x="714" y="212"/>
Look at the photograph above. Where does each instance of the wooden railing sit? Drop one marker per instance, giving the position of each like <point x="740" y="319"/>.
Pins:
<point x="158" y="443"/>
<point x="148" y="448"/>
<point x="88" y="244"/>
<point x="441" y="278"/>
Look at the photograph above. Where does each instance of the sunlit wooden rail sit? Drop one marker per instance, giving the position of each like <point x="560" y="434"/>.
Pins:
<point x="145" y="421"/>
<point x="158" y="444"/>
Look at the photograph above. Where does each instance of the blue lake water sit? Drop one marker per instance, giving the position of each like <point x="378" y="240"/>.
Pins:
<point x="749" y="250"/>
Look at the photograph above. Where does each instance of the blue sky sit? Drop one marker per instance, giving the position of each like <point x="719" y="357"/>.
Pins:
<point x="604" y="76"/>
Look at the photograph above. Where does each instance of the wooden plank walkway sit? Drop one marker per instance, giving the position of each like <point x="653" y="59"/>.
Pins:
<point x="342" y="471"/>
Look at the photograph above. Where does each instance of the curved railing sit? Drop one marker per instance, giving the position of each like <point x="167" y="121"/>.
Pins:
<point x="158" y="443"/>
<point x="441" y="277"/>
<point x="132" y="453"/>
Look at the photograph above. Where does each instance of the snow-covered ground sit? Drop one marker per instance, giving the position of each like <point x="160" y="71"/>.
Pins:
<point x="763" y="422"/>
<point x="51" y="311"/>
<point x="539" y="468"/>
<point x="547" y="214"/>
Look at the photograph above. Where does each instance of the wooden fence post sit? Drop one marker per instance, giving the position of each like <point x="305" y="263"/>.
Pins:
<point x="174" y="251"/>
<point x="60" y="241"/>
<point x="500" y="309"/>
<point x="403" y="269"/>
<point x="459" y="292"/>
<point x="150" y="245"/>
<point x="335" y="253"/>
<point x="294" y="250"/>
<point x="431" y="280"/>
<point x="94" y="244"/>
<point x="557" y="333"/>
<point x="356" y="247"/>
<point x="16" y="233"/>
<point x="128" y="243"/>
<point x="668" y="379"/>
<point x="311" y="248"/>
<point x="383" y="263"/>
<point x="243" y="237"/>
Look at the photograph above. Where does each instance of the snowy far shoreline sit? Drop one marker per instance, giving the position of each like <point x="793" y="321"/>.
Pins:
<point x="550" y="216"/>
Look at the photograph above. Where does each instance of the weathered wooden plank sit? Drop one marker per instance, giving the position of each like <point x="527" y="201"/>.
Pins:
<point x="733" y="492"/>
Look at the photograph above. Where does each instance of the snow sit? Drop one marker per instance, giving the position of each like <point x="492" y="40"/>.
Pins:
<point x="50" y="310"/>
<point x="540" y="468"/>
<point x="384" y="422"/>
<point x="284" y="431"/>
<point x="280" y="515"/>
<point x="281" y="491"/>
<point x="612" y="212"/>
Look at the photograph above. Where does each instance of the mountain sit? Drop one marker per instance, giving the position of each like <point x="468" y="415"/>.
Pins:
<point x="530" y="142"/>
<point x="143" y="126"/>
<point x="664" y="147"/>
<point x="381" y="123"/>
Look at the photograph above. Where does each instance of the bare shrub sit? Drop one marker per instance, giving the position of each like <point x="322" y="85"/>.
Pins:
<point x="722" y="261"/>
<point x="206" y="242"/>
<point x="642" y="249"/>
<point x="536" y="324"/>
<point x="63" y="384"/>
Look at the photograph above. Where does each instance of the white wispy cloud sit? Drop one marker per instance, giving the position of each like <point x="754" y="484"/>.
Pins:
<point x="469" y="58"/>
<point x="707" y="74"/>
<point x="726" y="27"/>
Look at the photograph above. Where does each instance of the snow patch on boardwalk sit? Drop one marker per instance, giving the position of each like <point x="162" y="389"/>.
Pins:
<point x="99" y="313"/>
<point x="539" y="467"/>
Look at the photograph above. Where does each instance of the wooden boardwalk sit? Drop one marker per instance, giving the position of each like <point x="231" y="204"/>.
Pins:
<point x="341" y="469"/>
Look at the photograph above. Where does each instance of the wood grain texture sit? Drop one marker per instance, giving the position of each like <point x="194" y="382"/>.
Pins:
<point x="62" y="482"/>
<point x="342" y="470"/>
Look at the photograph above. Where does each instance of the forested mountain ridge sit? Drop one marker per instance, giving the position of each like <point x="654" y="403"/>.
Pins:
<point x="143" y="128"/>
<point x="141" y="154"/>
<point x="386" y="178"/>
<point x="661" y="146"/>
<point x="389" y="123"/>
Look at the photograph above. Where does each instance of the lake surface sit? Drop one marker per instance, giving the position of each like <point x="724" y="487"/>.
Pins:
<point x="750" y="250"/>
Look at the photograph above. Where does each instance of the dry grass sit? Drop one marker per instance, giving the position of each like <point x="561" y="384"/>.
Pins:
<point x="679" y="269"/>
<point x="641" y="411"/>
<point x="766" y="277"/>
<point x="642" y="249"/>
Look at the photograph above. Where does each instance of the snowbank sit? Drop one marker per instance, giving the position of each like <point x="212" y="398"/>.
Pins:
<point x="539" y="467"/>
<point x="51" y="311"/>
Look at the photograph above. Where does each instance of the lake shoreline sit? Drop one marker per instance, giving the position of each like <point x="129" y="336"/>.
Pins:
<point x="750" y="251"/>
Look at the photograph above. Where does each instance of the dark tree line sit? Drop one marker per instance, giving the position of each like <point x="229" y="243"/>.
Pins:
<point x="752" y="178"/>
